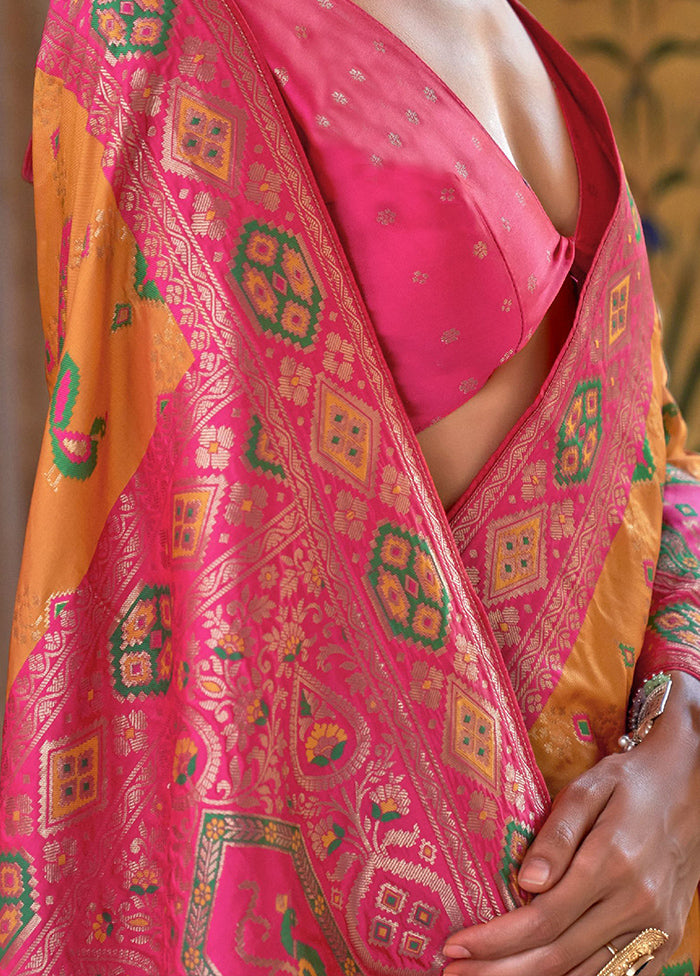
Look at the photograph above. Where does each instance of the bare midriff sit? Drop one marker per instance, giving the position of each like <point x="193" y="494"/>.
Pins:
<point x="483" y="53"/>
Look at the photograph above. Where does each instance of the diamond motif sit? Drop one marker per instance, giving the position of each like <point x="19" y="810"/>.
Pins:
<point x="346" y="434"/>
<point x="518" y="562"/>
<point x="275" y="275"/>
<point x="130" y="27"/>
<point x="207" y="137"/>
<point x="470" y="735"/>
<point x="412" y="610"/>
<point x="619" y="304"/>
<point x="580" y="433"/>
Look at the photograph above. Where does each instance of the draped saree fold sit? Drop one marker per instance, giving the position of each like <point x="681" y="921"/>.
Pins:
<point x="269" y="709"/>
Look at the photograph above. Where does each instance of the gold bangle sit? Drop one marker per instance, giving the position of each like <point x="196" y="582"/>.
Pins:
<point x="635" y="955"/>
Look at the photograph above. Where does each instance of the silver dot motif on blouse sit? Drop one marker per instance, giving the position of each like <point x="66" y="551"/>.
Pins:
<point x="322" y="121"/>
<point x="386" y="217"/>
<point x="326" y="4"/>
<point x="430" y="94"/>
<point x="412" y="117"/>
<point x="340" y="98"/>
<point x="450" y="335"/>
<point x="395" y="139"/>
<point x="461" y="170"/>
<point x="356" y="74"/>
<point x="282" y="75"/>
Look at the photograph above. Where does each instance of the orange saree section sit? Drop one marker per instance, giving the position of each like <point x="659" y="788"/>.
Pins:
<point x="121" y="353"/>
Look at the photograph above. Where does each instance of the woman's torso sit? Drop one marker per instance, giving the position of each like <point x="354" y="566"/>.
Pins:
<point x="484" y="56"/>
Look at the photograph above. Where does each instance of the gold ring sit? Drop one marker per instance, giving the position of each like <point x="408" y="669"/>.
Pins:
<point x="610" y="946"/>
<point x="635" y="955"/>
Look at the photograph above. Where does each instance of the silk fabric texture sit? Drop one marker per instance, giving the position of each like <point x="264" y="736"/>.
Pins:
<point x="270" y="712"/>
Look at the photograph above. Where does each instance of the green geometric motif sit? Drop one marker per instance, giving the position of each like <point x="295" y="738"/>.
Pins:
<point x="261" y="454"/>
<point x="645" y="467"/>
<point x="580" y="433"/>
<point x="275" y="276"/>
<point x="680" y="969"/>
<point x="142" y="654"/>
<point x="74" y="452"/>
<point x="675" y="557"/>
<point x="15" y="898"/>
<point x="411" y="593"/>
<point x="131" y="26"/>
<point x="123" y="316"/>
<point x="517" y="839"/>
<point x="678" y="623"/>
<point x="144" y="287"/>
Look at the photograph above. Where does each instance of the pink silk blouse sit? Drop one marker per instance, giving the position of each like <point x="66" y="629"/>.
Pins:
<point x="454" y="254"/>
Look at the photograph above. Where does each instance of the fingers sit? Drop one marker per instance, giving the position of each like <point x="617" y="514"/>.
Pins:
<point x="574" y="813"/>
<point x="577" y="953"/>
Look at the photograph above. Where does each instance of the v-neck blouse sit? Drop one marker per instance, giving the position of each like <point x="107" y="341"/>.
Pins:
<point x="454" y="254"/>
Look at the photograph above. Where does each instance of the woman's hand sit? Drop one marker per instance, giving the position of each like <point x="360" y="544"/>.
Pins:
<point x="620" y="852"/>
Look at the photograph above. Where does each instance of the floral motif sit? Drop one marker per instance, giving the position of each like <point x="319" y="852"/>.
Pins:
<point x="146" y="87"/>
<point x="268" y="576"/>
<point x="338" y="357"/>
<point x="257" y="712"/>
<point x="389" y="801"/>
<point x="482" y="815"/>
<point x="18" y="814"/>
<point x="326" y="837"/>
<point x="534" y="480"/>
<point x="505" y="627"/>
<point x="144" y="881"/>
<point x="295" y="380"/>
<point x="426" y="684"/>
<point x="59" y="858"/>
<point x="214" y="449"/>
<point x="215" y="828"/>
<point x="350" y="514"/>
<point x="198" y="57"/>
<point x="192" y="957"/>
<point x="287" y="641"/>
<point x="246" y="505"/>
<point x="209" y="215"/>
<point x="263" y="187"/>
<point x="325" y="743"/>
<point x="562" y="519"/>
<point x="466" y="658"/>
<point x="395" y="489"/>
<point x="130" y="733"/>
<point x="202" y="894"/>
<point x="102" y="927"/>
<point x="515" y="787"/>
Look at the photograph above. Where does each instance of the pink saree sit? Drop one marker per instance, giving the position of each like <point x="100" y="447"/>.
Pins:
<point x="269" y="710"/>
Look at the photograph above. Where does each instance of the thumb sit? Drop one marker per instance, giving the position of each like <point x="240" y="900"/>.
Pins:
<point x="574" y="813"/>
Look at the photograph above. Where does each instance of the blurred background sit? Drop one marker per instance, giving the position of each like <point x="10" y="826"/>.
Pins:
<point x="644" y="55"/>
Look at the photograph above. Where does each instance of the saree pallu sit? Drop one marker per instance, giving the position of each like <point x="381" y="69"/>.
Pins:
<point x="266" y="712"/>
